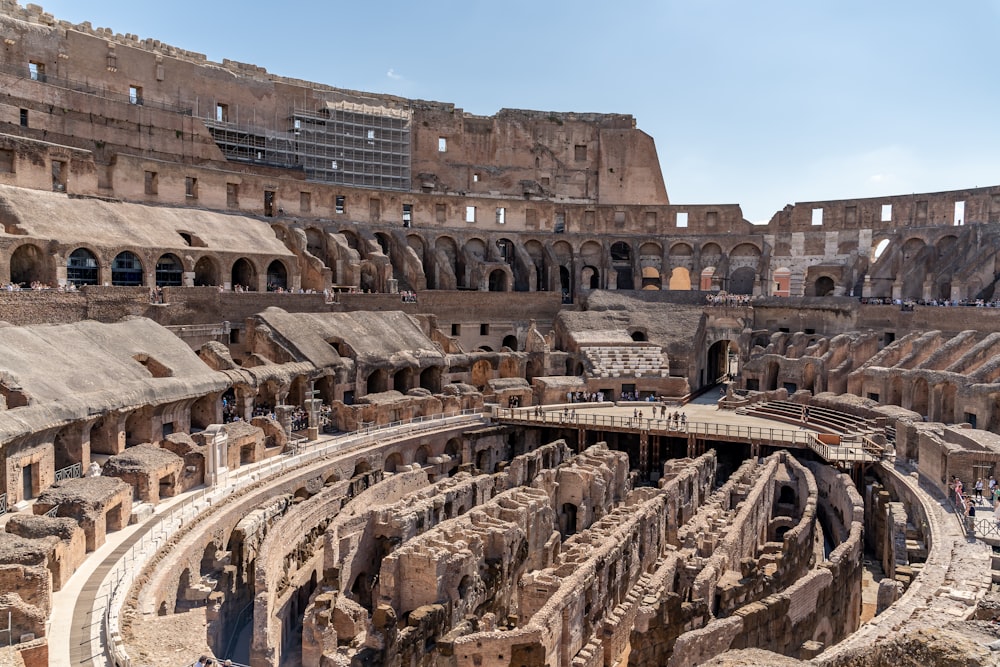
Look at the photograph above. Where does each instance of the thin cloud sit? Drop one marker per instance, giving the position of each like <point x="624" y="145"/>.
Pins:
<point x="392" y="74"/>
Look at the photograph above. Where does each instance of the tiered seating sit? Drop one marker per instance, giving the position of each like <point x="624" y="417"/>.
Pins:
<point x="823" y="418"/>
<point x="612" y="361"/>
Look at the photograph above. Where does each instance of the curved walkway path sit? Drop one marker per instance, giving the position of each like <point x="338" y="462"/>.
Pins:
<point x="83" y="608"/>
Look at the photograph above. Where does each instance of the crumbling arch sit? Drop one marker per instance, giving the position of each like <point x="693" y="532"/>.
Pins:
<point x="126" y="270"/>
<point x="919" y="400"/>
<point x="430" y="379"/>
<point x="402" y="380"/>
<point x="277" y="276"/>
<point x="377" y="381"/>
<point x="206" y="272"/>
<point x="27" y="265"/>
<point x="498" y="281"/>
<point x="244" y="274"/>
<point x="591" y="277"/>
<point x="824" y="286"/>
<point x="393" y="462"/>
<point x="510" y="340"/>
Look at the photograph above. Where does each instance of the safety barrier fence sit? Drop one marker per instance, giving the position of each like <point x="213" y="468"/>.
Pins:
<point x="69" y="472"/>
<point x="116" y="584"/>
<point x="850" y="448"/>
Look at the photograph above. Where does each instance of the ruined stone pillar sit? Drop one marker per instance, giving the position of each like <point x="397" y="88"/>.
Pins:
<point x="866" y="290"/>
<point x="644" y="453"/>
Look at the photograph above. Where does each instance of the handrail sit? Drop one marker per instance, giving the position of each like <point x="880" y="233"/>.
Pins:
<point x="69" y="472"/>
<point x="655" y="426"/>
<point x="119" y="578"/>
<point x="3" y="503"/>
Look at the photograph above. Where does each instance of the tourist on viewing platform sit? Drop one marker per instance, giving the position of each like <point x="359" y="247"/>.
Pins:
<point x="979" y="489"/>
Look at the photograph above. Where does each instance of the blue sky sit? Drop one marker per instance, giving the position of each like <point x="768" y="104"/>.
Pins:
<point x="757" y="103"/>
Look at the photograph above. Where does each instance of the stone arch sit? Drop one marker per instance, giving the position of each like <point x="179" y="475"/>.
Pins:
<point x="498" y="281"/>
<point x="430" y="379"/>
<point x="621" y="265"/>
<point x="126" y="270"/>
<point x="277" y="276"/>
<point x="169" y="271"/>
<point x="316" y="242"/>
<point x="474" y="252"/>
<point x="745" y="250"/>
<point x="27" y="265"/>
<point x="244" y="273"/>
<point x="639" y="336"/>
<point x="446" y="250"/>
<point x="422" y="454"/>
<point x="711" y="253"/>
<point x="510" y="341"/>
<point x="824" y="286"/>
<point x="680" y="278"/>
<point x="206" y="272"/>
<point x="541" y="267"/>
<point x="393" y="462"/>
<point x="591" y="277"/>
<point x="482" y="372"/>
<point x="402" y="380"/>
<point x="945" y="244"/>
<point x="377" y="381"/>
<point x="717" y="362"/>
<point x="82" y="268"/>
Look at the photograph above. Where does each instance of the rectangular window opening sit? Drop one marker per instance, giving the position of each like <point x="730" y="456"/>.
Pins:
<point x="135" y="94"/>
<point x="959" y="218"/>
<point x="305" y="202"/>
<point x="580" y="153"/>
<point x="440" y="212"/>
<point x="233" y="195"/>
<point x="24" y="118"/>
<point x="475" y="178"/>
<point x="886" y="212"/>
<point x="58" y="176"/>
<point x="817" y="217"/>
<point x="269" y="203"/>
<point x="501" y="215"/>
<point x="442" y="145"/>
<point x="191" y="187"/>
<point x="560" y="224"/>
<point x="484" y="329"/>
<point x="152" y="183"/>
<point x="682" y="219"/>
<point x="36" y="70"/>
<point x="222" y="113"/>
<point x="407" y="215"/>
<point x="456" y="329"/>
<point x="470" y="213"/>
<point x="339" y="205"/>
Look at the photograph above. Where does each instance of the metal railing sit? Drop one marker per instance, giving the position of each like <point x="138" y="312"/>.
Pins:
<point x="70" y="472"/>
<point x="655" y="426"/>
<point x="53" y="513"/>
<point x="116" y="584"/>
<point x="3" y="503"/>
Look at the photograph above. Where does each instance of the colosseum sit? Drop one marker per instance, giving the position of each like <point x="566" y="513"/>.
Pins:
<point x="377" y="381"/>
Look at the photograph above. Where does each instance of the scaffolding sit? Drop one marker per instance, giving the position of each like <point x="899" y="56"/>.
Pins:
<point x="342" y="143"/>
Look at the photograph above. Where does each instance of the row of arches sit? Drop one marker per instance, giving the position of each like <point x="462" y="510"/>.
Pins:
<point x="84" y="266"/>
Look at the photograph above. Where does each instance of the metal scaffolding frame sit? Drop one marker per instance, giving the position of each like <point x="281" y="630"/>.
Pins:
<point x="342" y="143"/>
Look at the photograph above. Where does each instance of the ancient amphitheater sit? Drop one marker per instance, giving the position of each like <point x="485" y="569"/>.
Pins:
<point x="382" y="382"/>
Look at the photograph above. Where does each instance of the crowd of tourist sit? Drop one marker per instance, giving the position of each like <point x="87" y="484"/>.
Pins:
<point x="36" y="286"/>
<point x="723" y="299"/>
<point x="982" y="492"/>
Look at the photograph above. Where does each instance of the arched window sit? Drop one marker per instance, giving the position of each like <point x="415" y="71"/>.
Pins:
<point x="81" y="269"/>
<point x="168" y="271"/>
<point x="126" y="270"/>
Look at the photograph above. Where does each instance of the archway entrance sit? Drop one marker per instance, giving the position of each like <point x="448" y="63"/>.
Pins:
<point x="824" y="286"/>
<point x="26" y="265"/>
<point x="244" y="275"/>
<point x="721" y="362"/>
<point x="81" y="269"/>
